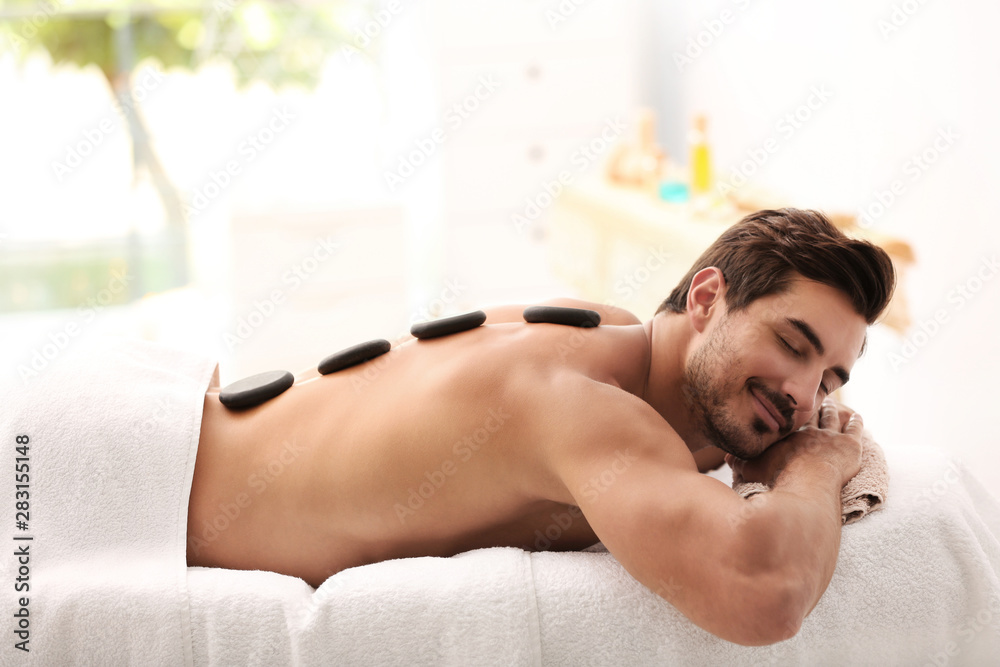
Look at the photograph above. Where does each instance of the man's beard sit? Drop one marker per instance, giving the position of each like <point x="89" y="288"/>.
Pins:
<point x="705" y="393"/>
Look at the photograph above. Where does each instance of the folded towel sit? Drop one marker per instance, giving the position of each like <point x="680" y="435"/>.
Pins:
<point x="864" y="493"/>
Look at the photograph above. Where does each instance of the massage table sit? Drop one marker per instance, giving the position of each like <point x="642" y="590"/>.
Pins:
<point x="111" y="456"/>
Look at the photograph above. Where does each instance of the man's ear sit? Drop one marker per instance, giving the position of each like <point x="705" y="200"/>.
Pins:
<point x="706" y="296"/>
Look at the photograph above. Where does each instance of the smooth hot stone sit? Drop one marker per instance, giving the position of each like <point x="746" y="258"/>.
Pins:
<point x="574" y="317"/>
<point x="256" y="389"/>
<point x="448" y="325"/>
<point x="354" y="355"/>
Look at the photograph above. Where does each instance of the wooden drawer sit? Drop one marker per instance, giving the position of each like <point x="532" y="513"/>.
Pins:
<point x="500" y="174"/>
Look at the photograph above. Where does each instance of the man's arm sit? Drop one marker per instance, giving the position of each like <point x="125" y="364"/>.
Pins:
<point x="748" y="571"/>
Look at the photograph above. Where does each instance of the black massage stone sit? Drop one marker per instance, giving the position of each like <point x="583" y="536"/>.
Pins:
<point x="448" y="325"/>
<point x="574" y="317"/>
<point x="256" y="389"/>
<point x="354" y="355"/>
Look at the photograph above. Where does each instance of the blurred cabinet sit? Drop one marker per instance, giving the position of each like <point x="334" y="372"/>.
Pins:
<point x="560" y="73"/>
<point x="621" y="246"/>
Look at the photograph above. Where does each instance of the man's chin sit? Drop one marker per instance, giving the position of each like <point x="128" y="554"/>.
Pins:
<point x="740" y="452"/>
<point x="745" y="441"/>
<point x="766" y="441"/>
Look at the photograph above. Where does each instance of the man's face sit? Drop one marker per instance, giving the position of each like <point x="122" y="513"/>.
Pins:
<point x="784" y="353"/>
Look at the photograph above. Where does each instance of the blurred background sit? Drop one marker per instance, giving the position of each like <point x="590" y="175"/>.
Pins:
<point x="268" y="182"/>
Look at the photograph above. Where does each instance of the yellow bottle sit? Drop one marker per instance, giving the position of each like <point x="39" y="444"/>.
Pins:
<point x="701" y="159"/>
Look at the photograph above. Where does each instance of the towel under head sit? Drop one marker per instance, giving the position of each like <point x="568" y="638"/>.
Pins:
<point x="864" y="493"/>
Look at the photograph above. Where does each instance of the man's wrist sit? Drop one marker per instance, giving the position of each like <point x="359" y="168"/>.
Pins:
<point x="809" y="474"/>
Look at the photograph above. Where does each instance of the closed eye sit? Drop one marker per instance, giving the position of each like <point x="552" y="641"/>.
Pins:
<point x="791" y="349"/>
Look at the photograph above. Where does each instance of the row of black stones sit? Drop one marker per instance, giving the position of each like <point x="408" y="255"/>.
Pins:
<point x="254" y="390"/>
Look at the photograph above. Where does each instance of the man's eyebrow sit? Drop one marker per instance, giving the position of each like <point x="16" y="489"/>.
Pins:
<point x="817" y="344"/>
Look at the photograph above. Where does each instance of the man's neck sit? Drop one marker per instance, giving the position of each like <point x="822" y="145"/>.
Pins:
<point x="669" y="338"/>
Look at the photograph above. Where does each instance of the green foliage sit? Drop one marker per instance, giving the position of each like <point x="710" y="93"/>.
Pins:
<point x="276" y="42"/>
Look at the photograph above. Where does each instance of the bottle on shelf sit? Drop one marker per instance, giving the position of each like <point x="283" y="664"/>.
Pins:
<point x="701" y="157"/>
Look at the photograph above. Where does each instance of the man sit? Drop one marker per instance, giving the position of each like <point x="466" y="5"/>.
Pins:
<point x="489" y="436"/>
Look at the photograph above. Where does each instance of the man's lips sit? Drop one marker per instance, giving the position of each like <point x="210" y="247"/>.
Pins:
<point x="778" y="421"/>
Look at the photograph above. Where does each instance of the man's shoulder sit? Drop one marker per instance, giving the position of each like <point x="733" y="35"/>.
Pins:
<point x="582" y="425"/>
<point x="579" y="411"/>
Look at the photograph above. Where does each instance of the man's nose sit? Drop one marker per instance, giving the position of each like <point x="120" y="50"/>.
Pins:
<point x="803" y="395"/>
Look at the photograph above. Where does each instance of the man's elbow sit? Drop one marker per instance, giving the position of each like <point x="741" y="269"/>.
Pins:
<point x="766" y="612"/>
<point x="777" y="586"/>
<point x="778" y="617"/>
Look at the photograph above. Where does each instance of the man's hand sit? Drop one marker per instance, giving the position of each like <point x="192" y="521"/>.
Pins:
<point x="832" y="436"/>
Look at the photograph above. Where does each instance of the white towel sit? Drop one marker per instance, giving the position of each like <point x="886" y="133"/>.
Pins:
<point x="476" y="608"/>
<point x="113" y="432"/>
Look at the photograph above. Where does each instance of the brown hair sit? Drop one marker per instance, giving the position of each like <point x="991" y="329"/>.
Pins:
<point x="759" y="254"/>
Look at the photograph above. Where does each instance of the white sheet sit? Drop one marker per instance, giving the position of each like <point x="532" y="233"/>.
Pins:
<point x="916" y="583"/>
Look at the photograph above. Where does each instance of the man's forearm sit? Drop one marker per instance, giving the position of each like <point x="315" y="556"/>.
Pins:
<point x="796" y="528"/>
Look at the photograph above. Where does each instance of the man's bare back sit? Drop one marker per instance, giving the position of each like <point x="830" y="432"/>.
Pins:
<point x="435" y="448"/>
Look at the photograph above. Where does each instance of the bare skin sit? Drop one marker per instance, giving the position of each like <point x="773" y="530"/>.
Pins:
<point x="543" y="436"/>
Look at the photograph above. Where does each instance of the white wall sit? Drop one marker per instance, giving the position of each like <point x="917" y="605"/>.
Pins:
<point x="895" y="74"/>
